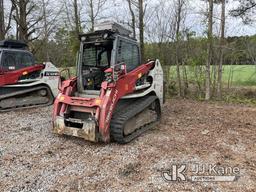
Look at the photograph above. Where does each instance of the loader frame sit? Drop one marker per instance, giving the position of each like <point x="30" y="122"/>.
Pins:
<point x="99" y="107"/>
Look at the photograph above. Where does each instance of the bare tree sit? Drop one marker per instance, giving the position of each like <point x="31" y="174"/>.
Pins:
<point x="68" y="17"/>
<point x="27" y="18"/>
<point x="133" y="18"/>
<point x="210" y="52"/>
<point x="161" y="30"/>
<point x="141" y="29"/>
<point x="46" y="35"/>
<point x="4" y="28"/>
<point x="179" y="4"/>
<point x="92" y="17"/>
<point x="49" y="23"/>
<point x="77" y="18"/>
<point x="245" y="10"/>
<point x="94" y="10"/>
<point x="222" y="43"/>
<point x="72" y="18"/>
<point x="140" y="8"/>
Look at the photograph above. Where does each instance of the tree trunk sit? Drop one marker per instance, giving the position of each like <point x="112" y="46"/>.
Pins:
<point x="46" y="36"/>
<point x="26" y="28"/>
<point x="77" y="19"/>
<point x="177" y="43"/>
<point x="133" y="18"/>
<point x="214" y="73"/>
<point x="2" y="26"/>
<point x="210" y="53"/>
<point x="92" y="15"/>
<point x="23" y="28"/>
<point x="141" y="28"/>
<point x="222" y="42"/>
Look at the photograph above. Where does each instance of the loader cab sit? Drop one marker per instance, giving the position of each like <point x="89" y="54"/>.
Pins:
<point x="14" y="56"/>
<point x="94" y="58"/>
<point x="101" y="50"/>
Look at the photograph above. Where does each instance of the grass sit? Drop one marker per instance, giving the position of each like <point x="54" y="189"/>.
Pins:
<point x="235" y="75"/>
<point x="240" y="78"/>
<point x="72" y="71"/>
<point x="241" y="75"/>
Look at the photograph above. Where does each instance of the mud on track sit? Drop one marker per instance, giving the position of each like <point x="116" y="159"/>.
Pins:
<point x="33" y="159"/>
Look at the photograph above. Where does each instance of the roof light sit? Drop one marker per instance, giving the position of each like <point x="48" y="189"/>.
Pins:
<point x="83" y="38"/>
<point x="105" y="36"/>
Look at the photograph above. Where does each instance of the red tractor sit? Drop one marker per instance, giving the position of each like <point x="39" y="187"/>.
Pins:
<point x="23" y="83"/>
<point x="114" y="96"/>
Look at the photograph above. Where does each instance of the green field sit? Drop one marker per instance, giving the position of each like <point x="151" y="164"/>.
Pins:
<point x="236" y="75"/>
<point x="242" y="75"/>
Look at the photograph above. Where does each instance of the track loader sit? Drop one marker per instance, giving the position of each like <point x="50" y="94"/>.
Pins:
<point x="114" y="96"/>
<point x="23" y="83"/>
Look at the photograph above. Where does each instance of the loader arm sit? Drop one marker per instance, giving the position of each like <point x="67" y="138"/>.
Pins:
<point x="101" y="107"/>
<point x="112" y="94"/>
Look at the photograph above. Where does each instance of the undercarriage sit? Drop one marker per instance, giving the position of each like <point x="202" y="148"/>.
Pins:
<point x="12" y="98"/>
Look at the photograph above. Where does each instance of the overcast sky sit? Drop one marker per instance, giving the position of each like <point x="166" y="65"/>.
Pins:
<point x="234" y="26"/>
<point x="195" y="19"/>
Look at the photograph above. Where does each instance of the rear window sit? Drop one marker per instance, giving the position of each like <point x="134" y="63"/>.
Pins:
<point x="14" y="60"/>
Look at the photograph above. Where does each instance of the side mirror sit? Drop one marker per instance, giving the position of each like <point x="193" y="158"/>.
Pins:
<point x="123" y="68"/>
<point x="64" y="74"/>
<point x="119" y="69"/>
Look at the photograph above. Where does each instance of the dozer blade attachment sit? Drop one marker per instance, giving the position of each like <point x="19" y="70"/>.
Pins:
<point x="87" y="130"/>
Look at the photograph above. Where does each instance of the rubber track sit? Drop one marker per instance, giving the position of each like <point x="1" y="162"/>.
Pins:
<point x="24" y="92"/>
<point x="121" y="117"/>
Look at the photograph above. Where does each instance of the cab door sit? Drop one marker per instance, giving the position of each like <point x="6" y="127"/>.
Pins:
<point x="127" y="52"/>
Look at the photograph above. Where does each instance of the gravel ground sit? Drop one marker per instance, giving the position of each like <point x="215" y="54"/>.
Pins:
<point x="33" y="159"/>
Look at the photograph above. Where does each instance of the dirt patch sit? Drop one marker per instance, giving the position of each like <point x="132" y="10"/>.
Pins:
<point x="33" y="159"/>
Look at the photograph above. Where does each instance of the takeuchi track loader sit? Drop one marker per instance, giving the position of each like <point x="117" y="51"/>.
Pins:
<point x="23" y="83"/>
<point x="113" y="96"/>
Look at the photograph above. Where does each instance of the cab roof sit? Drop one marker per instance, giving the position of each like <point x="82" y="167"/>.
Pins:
<point x="109" y="29"/>
<point x="13" y="44"/>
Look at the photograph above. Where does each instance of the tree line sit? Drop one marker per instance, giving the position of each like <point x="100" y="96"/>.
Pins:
<point x="51" y="29"/>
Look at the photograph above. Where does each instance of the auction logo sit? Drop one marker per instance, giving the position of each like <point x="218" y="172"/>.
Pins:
<point x="201" y="173"/>
<point x="177" y="173"/>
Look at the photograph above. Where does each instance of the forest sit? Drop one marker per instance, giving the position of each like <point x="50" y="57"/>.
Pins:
<point x="196" y="42"/>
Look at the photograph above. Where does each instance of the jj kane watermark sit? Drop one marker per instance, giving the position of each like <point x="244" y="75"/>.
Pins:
<point x="201" y="173"/>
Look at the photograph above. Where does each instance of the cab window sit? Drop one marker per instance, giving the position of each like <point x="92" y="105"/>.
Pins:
<point x="97" y="54"/>
<point x="128" y="53"/>
<point x="14" y="60"/>
<point x="9" y="61"/>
